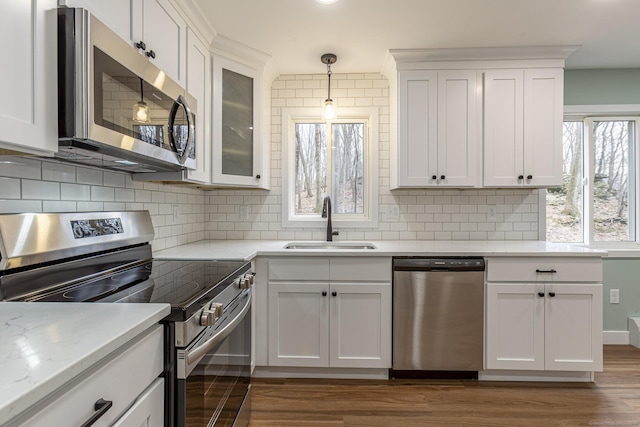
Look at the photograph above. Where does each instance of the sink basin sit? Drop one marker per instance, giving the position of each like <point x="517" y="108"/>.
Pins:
<point x="330" y="245"/>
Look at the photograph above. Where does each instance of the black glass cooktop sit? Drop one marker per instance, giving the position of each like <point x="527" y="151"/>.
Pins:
<point x="186" y="285"/>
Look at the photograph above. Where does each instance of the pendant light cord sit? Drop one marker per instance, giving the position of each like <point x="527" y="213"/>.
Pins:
<point x="329" y="75"/>
<point x="141" y="91"/>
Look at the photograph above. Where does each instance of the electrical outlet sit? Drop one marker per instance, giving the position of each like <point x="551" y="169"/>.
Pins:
<point x="614" y="296"/>
<point x="244" y="213"/>
<point x="176" y="212"/>
<point x="491" y="213"/>
<point x="393" y="212"/>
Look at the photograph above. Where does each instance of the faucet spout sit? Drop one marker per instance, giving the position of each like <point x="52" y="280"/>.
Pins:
<point x="326" y="213"/>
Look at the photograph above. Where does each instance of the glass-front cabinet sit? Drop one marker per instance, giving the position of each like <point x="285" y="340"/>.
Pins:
<point x="236" y="124"/>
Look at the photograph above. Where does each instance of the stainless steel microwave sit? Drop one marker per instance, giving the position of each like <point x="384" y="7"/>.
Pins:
<point x="117" y="110"/>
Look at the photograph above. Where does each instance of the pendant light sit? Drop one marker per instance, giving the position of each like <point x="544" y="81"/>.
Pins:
<point x="141" y="109"/>
<point x="329" y="110"/>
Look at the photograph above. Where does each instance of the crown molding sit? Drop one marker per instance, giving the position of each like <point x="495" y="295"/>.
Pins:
<point x="505" y="53"/>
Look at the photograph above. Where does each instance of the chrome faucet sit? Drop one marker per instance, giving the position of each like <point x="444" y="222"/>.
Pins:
<point x="326" y="213"/>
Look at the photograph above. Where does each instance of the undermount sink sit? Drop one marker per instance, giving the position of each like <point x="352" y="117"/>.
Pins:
<point x="330" y="245"/>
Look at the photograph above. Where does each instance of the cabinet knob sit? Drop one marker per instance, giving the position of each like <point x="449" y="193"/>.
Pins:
<point x="334" y="294"/>
<point x="552" y="294"/>
<point x="434" y="177"/>
<point x="442" y="177"/>
<point x="529" y="176"/>
<point x="520" y="177"/>
<point x="324" y="293"/>
<point x="541" y="294"/>
<point x="141" y="45"/>
<point x="257" y="176"/>
<point x="151" y="54"/>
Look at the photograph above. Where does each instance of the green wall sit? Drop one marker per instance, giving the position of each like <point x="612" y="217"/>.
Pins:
<point x="602" y="87"/>
<point x="623" y="274"/>
<point x="611" y="87"/>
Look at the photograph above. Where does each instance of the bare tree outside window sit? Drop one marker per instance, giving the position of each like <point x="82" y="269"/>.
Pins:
<point x="612" y="142"/>
<point x="565" y="204"/>
<point x="346" y="167"/>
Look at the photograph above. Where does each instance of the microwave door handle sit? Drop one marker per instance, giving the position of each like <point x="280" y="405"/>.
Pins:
<point x="181" y="156"/>
<point x="194" y="355"/>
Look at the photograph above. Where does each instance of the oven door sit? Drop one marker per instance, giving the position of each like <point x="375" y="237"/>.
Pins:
<point x="214" y="372"/>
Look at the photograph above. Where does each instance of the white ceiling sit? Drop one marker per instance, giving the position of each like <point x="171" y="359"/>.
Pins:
<point x="295" y="33"/>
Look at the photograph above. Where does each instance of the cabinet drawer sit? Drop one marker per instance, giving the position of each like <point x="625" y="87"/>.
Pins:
<point x="120" y="380"/>
<point x="299" y="268"/>
<point x="544" y="269"/>
<point x="360" y="269"/>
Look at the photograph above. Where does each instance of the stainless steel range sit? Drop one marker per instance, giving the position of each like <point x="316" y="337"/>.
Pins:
<point x="106" y="257"/>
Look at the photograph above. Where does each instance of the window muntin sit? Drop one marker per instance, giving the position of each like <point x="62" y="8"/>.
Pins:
<point x="600" y="209"/>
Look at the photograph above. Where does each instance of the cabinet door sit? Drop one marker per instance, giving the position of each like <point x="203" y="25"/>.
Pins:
<point x="115" y="14"/>
<point x="299" y="324"/>
<point x="503" y="127"/>
<point x="236" y="124"/>
<point x="543" y="112"/>
<point x="164" y="32"/>
<point x="515" y="326"/>
<point x="573" y="327"/>
<point x="148" y="410"/>
<point x="417" y="128"/>
<point x="458" y="129"/>
<point x="360" y="325"/>
<point x="28" y="78"/>
<point x="199" y="86"/>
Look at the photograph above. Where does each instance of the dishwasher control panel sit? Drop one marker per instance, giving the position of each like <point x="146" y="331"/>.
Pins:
<point x="438" y="264"/>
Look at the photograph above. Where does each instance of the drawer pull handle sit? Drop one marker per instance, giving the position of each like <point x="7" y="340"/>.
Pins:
<point x="546" y="271"/>
<point x="552" y="294"/>
<point x="541" y="294"/>
<point x="101" y="407"/>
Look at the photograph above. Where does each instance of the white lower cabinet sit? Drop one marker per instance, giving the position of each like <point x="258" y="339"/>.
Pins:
<point x="547" y="325"/>
<point x="338" y="325"/>
<point x="128" y="381"/>
<point x="329" y="312"/>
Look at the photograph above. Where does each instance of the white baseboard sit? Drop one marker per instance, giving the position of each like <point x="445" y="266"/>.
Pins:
<point x="615" y="337"/>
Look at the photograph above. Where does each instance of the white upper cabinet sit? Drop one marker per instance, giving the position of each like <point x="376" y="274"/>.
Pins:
<point x="154" y="25"/>
<point x="523" y="127"/>
<point x="199" y="86"/>
<point x="438" y="129"/>
<point x="237" y="148"/>
<point x="28" y="77"/>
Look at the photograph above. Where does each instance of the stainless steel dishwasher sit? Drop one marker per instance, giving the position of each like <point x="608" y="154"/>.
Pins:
<point x="438" y="317"/>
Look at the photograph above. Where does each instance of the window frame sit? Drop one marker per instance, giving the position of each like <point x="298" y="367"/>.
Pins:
<point x="588" y="115"/>
<point x="368" y="116"/>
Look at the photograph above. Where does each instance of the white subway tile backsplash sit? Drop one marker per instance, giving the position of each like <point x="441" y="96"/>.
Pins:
<point x="58" y="172"/>
<point x="20" y="167"/>
<point x="20" y="206"/>
<point x="9" y="188"/>
<point x="43" y="190"/>
<point x="89" y="176"/>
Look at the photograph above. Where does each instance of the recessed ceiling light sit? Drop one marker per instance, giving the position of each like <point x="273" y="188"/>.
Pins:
<point x="326" y="1"/>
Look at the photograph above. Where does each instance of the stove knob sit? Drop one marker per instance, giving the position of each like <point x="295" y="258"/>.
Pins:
<point x="207" y="318"/>
<point x="217" y="309"/>
<point x="244" y="283"/>
<point x="251" y="278"/>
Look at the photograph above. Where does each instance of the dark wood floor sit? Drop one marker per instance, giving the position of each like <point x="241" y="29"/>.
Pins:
<point x="612" y="400"/>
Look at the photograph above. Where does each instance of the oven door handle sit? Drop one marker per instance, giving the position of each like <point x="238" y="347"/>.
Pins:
<point x="194" y="355"/>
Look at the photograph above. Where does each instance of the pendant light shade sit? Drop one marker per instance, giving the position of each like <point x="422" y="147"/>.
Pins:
<point x="329" y="108"/>
<point x="141" y="109"/>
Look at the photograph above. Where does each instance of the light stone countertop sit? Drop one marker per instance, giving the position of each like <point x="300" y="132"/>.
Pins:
<point x="45" y="345"/>
<point x="249" y="249"/>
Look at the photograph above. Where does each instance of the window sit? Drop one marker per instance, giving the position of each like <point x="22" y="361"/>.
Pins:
<point x="596" y="203"/>
<point x="333" y="158"/>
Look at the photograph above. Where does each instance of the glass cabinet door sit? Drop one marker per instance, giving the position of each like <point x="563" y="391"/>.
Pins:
<point x="237" y="153"/>
<point x="237" y="124"/>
